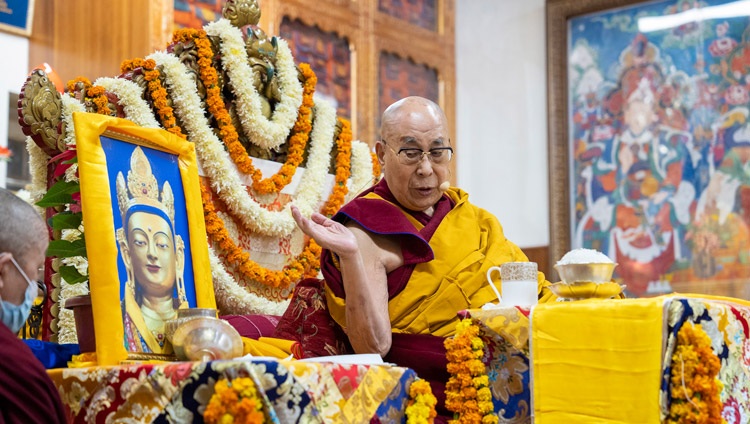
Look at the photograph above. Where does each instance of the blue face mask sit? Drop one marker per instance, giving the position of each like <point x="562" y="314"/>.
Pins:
<point x="14" y="316"/>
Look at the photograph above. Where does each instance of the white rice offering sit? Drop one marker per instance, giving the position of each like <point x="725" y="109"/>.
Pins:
<point x="584" y="256"/>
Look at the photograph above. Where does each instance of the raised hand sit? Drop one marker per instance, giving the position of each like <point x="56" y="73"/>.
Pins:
<point x="327" y="233"/>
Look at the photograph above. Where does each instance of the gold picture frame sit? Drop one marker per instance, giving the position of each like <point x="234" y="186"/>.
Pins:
<point x="160" y="252"/>
<point x="17" y="16"/>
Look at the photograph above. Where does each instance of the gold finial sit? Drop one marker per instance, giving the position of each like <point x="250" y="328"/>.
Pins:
<point x="242" y="12"/>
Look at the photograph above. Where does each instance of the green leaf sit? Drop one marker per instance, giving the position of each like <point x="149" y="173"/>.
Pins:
<point x="71" y="275"/>
<point x="73" y="160"/>
<point x="66" y="220"/>
<point x="66" y="249"/>
<point x="59" y="194"/>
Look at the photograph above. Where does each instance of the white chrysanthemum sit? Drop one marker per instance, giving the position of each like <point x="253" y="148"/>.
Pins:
<point x="231" y="298"/>
<point x="130" y="97"/>
<point x="268" y="134"/>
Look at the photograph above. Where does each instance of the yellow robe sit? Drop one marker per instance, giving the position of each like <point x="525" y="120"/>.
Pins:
<point x="467" y="243"/>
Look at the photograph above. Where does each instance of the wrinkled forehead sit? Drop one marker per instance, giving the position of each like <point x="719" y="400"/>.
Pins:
<point x="417" y="128"/>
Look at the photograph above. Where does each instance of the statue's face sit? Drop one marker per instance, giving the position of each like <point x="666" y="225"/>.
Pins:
<point x="152" y="253"/>
<point x="639" y="115"/>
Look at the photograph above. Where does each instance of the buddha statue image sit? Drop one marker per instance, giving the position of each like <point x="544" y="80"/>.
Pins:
<point x="154" y="257"/>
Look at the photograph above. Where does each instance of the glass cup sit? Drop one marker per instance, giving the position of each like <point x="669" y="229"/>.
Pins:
<point x="519" y="283"/>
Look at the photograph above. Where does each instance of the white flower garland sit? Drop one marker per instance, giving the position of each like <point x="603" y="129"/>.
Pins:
<point x="38" y="170"/>
<point x="70" y="105"/>
<point x="308" y="194"/>
<point x="267" y="134"/>
<point x="361" y="169"/>
<point x="130" y="97"/>
<point x="231" y="298"/>
<point x="66" y="326"/>
<point x="215" y="161"/>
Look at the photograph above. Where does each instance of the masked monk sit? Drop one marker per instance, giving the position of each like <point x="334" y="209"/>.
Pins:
<point x="27" y="395"/>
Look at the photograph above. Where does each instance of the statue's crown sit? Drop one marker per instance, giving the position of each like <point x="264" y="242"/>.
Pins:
<point x="143" y="189"/>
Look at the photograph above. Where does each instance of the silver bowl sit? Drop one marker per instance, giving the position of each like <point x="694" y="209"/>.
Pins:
<point x="598" y="273"/>
<point x="206" y="339"/>
<point x="184" y="315"/>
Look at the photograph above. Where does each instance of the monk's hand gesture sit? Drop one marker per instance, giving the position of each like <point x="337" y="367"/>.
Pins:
<point x="328" y="233"/>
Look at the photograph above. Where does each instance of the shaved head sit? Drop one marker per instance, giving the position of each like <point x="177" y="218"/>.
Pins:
<point x="21" y="228"/>
<point x="406" y="109"/>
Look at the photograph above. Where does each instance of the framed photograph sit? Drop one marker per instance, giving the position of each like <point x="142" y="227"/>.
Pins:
<point x="145" y="234"/>
<point x="649" y="140"/>
<point x="16" y="16"/>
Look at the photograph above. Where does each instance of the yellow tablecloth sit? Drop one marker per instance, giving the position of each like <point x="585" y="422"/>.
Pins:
<point x="610" y="360"/>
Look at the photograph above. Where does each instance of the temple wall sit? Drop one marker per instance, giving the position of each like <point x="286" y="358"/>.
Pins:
<point x="501" y="113"/>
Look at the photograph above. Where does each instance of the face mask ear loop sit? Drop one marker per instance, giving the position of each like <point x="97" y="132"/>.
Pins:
<point x="23" y="273"/>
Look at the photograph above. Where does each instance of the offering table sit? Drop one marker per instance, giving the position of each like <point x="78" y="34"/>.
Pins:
<point x="618" y="360"/>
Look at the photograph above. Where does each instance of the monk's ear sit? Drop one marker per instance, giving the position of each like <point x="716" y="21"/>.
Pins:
<point x="4" y="262"/>
<point x="380" y="151"/>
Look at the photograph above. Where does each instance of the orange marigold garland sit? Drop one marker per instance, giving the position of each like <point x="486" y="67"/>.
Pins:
<point x="421" y="406"/>
<point x="467" y="391"/>
<point x="71" y="85"/>
<point x="343" y="169"/>
<point x="234" y="401"/>
<point x="93" y="93"/>
<point x="98" y="96"/>
<point x="298" y="139"/>
<point x="307" y="264"/>
<point x="157" y="92"/>
<point x="228" y="133"/>
<point x="209" y="77"/>
<point x="694" y="385"/>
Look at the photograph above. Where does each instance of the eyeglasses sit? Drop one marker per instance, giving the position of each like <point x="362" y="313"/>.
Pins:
<point x="413" y="156"/>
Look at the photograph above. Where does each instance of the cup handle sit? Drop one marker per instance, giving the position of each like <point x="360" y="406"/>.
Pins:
<point x="489" y="280"/>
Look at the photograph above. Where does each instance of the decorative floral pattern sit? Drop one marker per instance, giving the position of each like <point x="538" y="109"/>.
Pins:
<point x="727" y="329"/>
<point x="290" y="391"/>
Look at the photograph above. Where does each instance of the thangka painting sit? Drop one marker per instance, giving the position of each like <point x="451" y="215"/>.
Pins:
<point x="328" y="55"/>
<point x="659" y="143"/>
<point x="422" y="13"/>
<point x="196" y="13"/>
<point x="399" y="78"/>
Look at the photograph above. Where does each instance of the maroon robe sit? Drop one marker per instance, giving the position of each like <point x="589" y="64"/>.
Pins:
<point x="307" y="319"/>
<point x="27" y="395"/>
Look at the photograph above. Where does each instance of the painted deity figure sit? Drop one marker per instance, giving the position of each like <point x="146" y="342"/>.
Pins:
<point x="647" y="170"/>
<point x="154" y="257"/>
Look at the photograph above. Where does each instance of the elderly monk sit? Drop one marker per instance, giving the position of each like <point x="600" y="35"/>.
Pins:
<point x="27" y="394"/>
<point x="402" y="258"/>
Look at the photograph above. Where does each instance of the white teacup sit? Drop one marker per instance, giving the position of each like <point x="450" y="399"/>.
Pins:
<point x="519" y="283"/>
